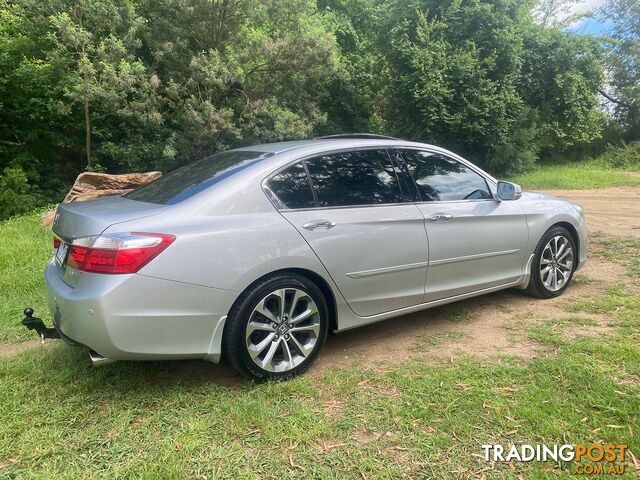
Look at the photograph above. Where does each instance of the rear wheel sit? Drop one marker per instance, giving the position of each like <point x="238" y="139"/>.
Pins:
<point x="554" y="263"/>
<point x="276" y="328"/>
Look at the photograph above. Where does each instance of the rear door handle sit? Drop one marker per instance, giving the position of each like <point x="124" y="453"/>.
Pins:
<point x="440" y="217"/>
<point x="319" y="225"/>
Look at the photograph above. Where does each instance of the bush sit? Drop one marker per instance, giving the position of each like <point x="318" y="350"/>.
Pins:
<point x="624" y="157"/>
<point x="16" y="195"/>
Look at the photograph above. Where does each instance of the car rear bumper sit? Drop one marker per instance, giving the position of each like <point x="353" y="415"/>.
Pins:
<point x="136" y="317"/>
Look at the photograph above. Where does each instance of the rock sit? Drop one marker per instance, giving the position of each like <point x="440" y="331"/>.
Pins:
<point x="91" y="185"/>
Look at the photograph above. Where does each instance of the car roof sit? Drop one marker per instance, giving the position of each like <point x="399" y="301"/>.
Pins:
<point x="330" y="143"/>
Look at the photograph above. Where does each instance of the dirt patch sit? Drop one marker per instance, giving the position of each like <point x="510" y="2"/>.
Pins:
<point x="491" y="328"/>
<point x="613" y="211"/>
<point x="595" y="331"/>
<point x="11" y="349"/>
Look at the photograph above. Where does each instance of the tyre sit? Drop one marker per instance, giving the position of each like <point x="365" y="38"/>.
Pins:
<point x="555" y="259"/>
<point x="276" y="328"/>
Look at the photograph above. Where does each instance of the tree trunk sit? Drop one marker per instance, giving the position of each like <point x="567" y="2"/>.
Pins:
<point x="87" y="133"/>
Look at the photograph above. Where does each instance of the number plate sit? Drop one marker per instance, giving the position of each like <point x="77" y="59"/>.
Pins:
<point x="61" y="253"/>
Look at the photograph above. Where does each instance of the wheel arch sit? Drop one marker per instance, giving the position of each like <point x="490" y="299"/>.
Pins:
<point x="574" y="234"/>
<point x="314" y="277"/>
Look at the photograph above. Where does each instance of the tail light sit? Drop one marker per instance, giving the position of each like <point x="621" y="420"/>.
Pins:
<point x="116" y="253"/>
<point x="56" y="243"/>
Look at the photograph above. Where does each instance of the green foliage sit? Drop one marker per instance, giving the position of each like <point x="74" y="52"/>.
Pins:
<point x="625" y="156"/>
<point x="624" y="63"/>
<point x="483" y="78"/>
<point x="16" y="196"/>
<point x="123" y="85"/>
<point x="131" y="85"/>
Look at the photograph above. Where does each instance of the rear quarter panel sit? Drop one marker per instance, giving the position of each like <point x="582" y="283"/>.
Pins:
<point x="226" y="251"/>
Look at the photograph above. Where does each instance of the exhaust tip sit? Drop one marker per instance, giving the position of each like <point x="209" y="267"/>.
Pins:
<point x="98" y="360"/>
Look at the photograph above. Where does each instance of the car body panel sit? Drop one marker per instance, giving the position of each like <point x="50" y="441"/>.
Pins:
<point x="232" y="234"/>
<point x="543" y="211"/>
<point x="484" y="244"/>
<point x="376" y="255"/>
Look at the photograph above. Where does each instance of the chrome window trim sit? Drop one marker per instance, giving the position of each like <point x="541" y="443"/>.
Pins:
<point x="346" y="206"/>
<point x="431" y="202"/>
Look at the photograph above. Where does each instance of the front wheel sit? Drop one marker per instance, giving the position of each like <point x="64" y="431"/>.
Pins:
<point x="276" y="328"/>
<point x="554" y="263"/>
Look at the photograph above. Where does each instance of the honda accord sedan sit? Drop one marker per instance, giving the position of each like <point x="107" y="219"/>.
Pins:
<point x="255" y="254"/>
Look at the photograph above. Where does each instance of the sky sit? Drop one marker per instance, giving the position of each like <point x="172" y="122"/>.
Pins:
<point x="592" y="25"/>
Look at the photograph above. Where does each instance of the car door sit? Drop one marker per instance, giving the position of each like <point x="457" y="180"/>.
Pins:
<point x="475" y="241"/>
<point x="371" y="242"/>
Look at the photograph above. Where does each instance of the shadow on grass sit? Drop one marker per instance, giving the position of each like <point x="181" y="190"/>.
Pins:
<point x="376" y="342"/>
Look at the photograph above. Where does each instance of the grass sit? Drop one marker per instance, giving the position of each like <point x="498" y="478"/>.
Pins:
<point x="574" y="176"/>
<point x="615" y="299"/>
<point x="619" y="303"/>
<point x="622" y="250"/>
<point x="62" y="419"/>
<point x="25" y="249"/>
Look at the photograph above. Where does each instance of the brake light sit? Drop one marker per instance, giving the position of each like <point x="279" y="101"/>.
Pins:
<point x="56" y="243"/>
<point x="117" y="253"/>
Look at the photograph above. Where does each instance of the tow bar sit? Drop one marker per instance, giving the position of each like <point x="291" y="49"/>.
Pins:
<point x="34" y="323"/>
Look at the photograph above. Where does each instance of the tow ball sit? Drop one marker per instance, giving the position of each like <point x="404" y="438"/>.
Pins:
<point x="35" y="323"/>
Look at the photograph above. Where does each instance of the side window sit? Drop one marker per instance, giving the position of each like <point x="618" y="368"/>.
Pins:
<point x="441" y="178"/>
<point x="361" y="177"/>
<point x="292" y="187"/>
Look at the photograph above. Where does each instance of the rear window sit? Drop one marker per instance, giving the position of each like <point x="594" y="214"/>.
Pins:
<point x="185" y="182"/>
<point x="292" y="187"/>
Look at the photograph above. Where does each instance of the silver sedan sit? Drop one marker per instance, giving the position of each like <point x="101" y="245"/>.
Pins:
<point x="255" y="254"/>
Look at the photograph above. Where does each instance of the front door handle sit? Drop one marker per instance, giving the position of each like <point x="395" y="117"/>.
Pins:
<point x="319" y="225"/>
<point x="440" y="217"/>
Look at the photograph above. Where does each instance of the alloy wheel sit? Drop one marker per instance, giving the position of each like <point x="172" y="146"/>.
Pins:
<point x="556" y="263"/>
<point x="283" y="330"/>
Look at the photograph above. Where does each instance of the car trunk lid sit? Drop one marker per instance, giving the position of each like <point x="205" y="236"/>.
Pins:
<point x="80" y="219"/>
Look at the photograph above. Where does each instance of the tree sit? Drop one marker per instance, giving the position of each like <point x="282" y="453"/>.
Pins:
<point x="484" y="78"/>
<point x="130" y="85"/>
<point x="623" y="68"/>
<point x="96" y="49"/>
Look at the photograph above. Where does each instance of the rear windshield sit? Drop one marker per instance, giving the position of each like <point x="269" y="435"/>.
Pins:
<point x="195" y="177"/>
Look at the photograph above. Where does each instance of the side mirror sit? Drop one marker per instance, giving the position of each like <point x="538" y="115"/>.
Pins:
<point x="509" y="191"/>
